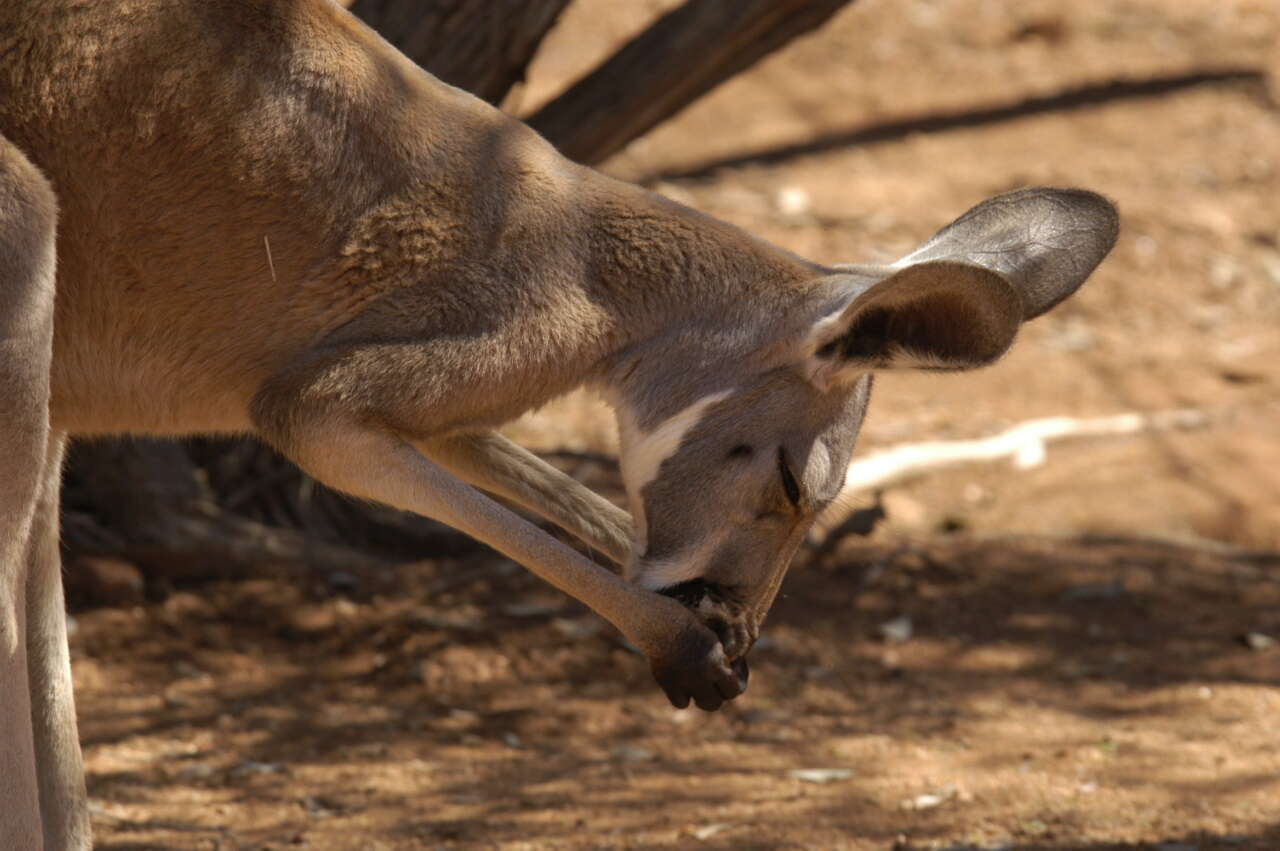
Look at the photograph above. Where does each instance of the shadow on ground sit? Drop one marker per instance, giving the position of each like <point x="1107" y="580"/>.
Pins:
<point x="1043" y="684"/>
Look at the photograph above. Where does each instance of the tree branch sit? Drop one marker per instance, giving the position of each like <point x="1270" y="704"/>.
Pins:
<point x="482" y="46"/>
<point x="682" y="56"/>
<point x="1024" y="443"/>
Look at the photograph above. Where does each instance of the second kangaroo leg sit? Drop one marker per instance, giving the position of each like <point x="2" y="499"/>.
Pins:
<point x="492" y="463"/>
<point x="28" y="213"/>
<point x="60" y="770"/>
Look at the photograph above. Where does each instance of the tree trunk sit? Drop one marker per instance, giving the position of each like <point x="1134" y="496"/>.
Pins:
<point x="685" y="54"/>
<point x="482" y="46"/>
<point x="145" y="501"/>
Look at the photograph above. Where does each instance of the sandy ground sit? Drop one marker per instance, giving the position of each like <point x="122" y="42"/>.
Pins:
<point x="1086" y="663"/>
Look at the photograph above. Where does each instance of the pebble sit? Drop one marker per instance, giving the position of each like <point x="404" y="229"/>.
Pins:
<point x="633" y="753"/>
<point x="1258" y="641"/>
<point x="250" y="766"/>
<point x="792" y="201"/>
<point x="710" y="830"/>
<point x="820" y="775"/>
<point x="923" y="802"/>
<point x="197" y="771"/>
<point x="934" y="799"/>
<point x="898" y="630"/>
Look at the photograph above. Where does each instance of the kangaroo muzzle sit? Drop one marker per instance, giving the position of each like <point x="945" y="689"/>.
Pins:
<point x="729" y="621"/>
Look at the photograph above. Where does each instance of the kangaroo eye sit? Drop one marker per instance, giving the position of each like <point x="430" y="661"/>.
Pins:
<point x="788" y="480"/>
<point x="742" y="450"/>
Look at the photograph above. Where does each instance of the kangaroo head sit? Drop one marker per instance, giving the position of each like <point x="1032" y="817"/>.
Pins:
<point x="734" y="441"/>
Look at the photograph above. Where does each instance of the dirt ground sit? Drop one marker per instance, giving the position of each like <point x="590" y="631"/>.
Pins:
<point x="1074" y="656"/>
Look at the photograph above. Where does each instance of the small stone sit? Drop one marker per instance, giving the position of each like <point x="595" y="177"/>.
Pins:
<point x="1146" y="249"/>
<point x="250" y="766"/>
<point x="196" y="771"/>
<point x="931" y="799"/>
<point x="898" y="630"/>
<point x="820" y="775"/>
<point x="792" y="201"/>
<point x="1224" y="271"/>
<point x="633" y="753"/>
<point x="923" y="802"/>
<point x="345" y="609"/>
<point x="710" y="830"/>
<point x="511" y="740"/>
<point x="1258" y="641"/>
<point x="1176" y="846"/>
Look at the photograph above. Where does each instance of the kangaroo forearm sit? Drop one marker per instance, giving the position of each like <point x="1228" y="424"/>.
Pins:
<point x="494" y="464"/>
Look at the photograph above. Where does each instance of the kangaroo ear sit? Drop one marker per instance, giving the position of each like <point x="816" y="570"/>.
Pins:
<point x="956" y="302"/>
<point x="1044" y="242"/>
<point x="932" y="315"/>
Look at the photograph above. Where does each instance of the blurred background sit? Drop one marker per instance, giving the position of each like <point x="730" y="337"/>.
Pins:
<point x="1075" y="653"/>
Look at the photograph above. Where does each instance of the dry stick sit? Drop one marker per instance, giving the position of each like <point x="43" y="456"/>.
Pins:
<point x="1024" y="443"/>
<point x="483" y="46"/>
<point x="679" y="58"/>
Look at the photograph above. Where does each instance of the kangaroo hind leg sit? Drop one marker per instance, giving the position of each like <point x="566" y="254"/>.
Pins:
<point x="28" y="221"/>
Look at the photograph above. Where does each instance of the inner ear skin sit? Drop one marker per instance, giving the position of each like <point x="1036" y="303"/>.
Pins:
<point x="866" y="340"/>
<point x="948" y="327"/>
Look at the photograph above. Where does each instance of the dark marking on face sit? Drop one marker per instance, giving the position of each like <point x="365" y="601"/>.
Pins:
<point x="789" y="484"/>
<point x="689" y="593"/>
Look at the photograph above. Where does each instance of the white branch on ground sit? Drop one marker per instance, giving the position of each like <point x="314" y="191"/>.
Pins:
<point x="1024" y="443"/>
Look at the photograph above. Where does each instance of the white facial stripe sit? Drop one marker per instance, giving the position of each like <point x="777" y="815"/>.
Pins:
<point x="643" y="455"/>
<point x="656" y="575"/>
<point x="689" y="563"/>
